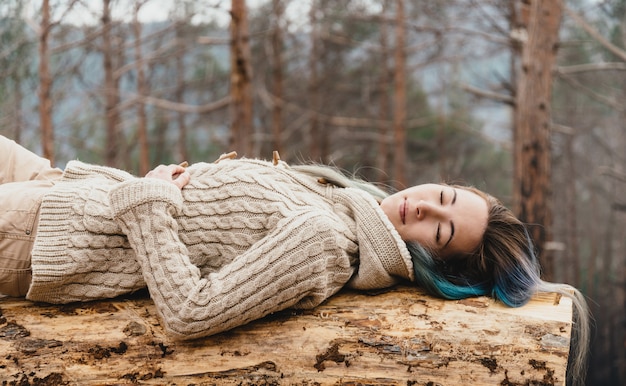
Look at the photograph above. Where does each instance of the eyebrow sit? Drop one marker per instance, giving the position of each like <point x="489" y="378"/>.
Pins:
<point x="451" y="223"/>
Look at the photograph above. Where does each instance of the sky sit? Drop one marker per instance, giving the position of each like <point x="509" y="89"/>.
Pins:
<point x="152" y="10"/>
<point x="157" y="10"/>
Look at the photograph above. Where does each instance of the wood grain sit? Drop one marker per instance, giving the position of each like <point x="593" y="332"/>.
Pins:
<point x="401" y="336"/>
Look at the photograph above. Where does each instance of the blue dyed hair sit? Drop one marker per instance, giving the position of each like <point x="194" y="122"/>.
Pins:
<point x="430" y="276"/>
<point x="504" y="266"/>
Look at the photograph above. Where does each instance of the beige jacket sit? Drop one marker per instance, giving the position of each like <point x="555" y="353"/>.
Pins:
<point x="24" y="179"/>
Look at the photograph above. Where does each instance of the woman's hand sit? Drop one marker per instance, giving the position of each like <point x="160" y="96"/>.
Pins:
<point x="176" y="174"/>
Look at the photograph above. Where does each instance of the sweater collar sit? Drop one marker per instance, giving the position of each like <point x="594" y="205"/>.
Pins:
<point x="383" y="255"/>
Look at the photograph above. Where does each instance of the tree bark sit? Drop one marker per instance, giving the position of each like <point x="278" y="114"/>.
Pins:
<point x="532" y="155"/>
<point x="572" y="249"/>
<point x="399" y="100"/>
<point x="277" y="76"/>
<point x="180" y="90"/>
<point x="398" y="337"/>
<point x="592" y="226"/>
<point x="111" y="90"/>
<point x="142" y="119"/>
<point x="18" y="98"/>
<point x="384" y="154"/>
<point x="45" y="85"/>
<point x="241" y="80"/>
<point x="315" y="128"/>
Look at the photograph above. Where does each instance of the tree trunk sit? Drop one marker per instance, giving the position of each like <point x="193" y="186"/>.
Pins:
<point x="399" y="100"/>
<point x="183" y="151"/>
<point x="241" y="80"/>
<point x="18" y="98"/>
<point x="619" y="280"/>
<point x="442" y="159"/>
<point x="315" y="129"/>
<point x="592" y="226"/>
<point x="277" y="76"/>
<point x="398" y="337"/>
<point x="111" y="90"/>
<point x="532" y="153"/>
<point x="45" y="85"/>
<point x="161" y="129"/>
<point x="142" y="120"/>
<point x="572" y="249"/>
<point x="384" y="153"/>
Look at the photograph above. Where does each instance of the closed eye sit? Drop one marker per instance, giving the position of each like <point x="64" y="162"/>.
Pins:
<point x="438" y="234"/>
<point x="451" y="222"/>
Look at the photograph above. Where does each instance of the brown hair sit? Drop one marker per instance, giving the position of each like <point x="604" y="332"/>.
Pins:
<point x="504" y="265"/>
<point x="506" y="262"/>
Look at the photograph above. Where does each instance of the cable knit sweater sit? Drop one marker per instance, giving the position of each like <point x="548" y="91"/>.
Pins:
<point x="243" y="239"/>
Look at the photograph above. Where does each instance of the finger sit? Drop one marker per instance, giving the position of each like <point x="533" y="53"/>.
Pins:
<point x="182" y="179"/>
<point x="176" y="169"/>
<point x="160" y="169"/>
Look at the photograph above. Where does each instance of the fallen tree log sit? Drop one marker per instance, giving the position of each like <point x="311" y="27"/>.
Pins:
<point x="401" y="336"/>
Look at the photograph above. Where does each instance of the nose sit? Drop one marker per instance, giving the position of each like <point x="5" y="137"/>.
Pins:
<point x="427" y="209"/>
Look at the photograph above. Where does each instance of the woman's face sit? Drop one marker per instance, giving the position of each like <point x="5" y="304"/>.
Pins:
<point x="444" y="219"/>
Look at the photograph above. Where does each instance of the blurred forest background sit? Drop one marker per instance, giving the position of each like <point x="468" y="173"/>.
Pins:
<point x="525" y="99"/>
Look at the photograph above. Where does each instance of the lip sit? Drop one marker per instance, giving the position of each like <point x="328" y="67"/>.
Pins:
<point x="403" y="211"/>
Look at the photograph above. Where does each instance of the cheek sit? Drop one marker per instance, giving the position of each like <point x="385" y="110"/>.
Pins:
<point x="418" y="233"/>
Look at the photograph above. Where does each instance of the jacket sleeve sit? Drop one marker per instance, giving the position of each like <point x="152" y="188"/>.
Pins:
<point x="299" y="263"/>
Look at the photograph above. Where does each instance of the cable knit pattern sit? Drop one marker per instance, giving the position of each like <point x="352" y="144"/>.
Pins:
<point x="80" y="252"/>
<point x="243" y="239"/>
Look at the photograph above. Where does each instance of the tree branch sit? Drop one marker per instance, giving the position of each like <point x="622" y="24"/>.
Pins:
<point x="598" y="97"/>
<point x="489" y="94"/>
<point x="182" y="107"/>
<point x="212" y="41"/>
<point x="611" y="172"/>
<point x="157" y="54"/>
<point x="590" y="67"/>
<point x="615" y="50"/>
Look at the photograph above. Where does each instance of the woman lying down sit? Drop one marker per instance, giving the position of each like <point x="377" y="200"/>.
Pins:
<point x="221" y="244"/>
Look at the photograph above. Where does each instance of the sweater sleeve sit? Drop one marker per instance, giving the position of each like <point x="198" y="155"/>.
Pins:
<point x="299" y="263"/>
